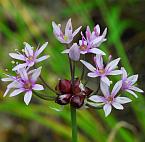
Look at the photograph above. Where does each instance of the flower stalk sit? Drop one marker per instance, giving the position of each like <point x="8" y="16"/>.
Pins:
<point x="74" y="124"/>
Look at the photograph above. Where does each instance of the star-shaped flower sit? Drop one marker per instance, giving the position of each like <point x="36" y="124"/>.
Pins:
<point x="29" y="57"/>
<point x="110" y="99"/>
<point x="101" y="71"/>
<point x="128" y="83"/>
<point x="26" y="83"/>
<point x="66" y="37"/>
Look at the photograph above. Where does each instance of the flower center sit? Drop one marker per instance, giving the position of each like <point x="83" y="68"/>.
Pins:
<point x="126" y="84"/>
<point x="30" y="58"/>
<point x="18" y="76"/>
<point x="110" y="99"/>
<point x="65" y="38"/>
<point x="101" y="71"/>
<point x="83" y="47"/>
<point x="28" y="85"/>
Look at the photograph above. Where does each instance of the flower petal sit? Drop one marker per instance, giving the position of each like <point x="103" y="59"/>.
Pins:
<point x="92" y="74"/>
<point x="76" y="31"/>
<point x="132" y="79"/>
<point x="74" y="52"/>
<point x="23" y="74"/>
<point x="28" y="49"/>
<point x="14" y="84"/>
<point x="107" y="109"/>
<point x="105" y="80"/>
<point x="40" y="50"/>
<point x="104" y="88"/>
<point x="42" y="58"/>
<point x="116" y="88"/>
<point x="97" y="41"/>
<point x="97" y="99"/>
<point x="104" y="33"/>
<point x="56" y="29"/>
<point x="36" y="74"/>
<point x="68" y="28"/>
<point x="99" y="61"/>
<point x="17" y="56"/>
<point x="89" y="66"/>
<point x="7" y="79"/>
<point x="97" y="30"/>
<point x="19" y="66"/>
<point x="65" y="51"/>
<point x="96" y="51"/>
<point x="6" y="92"/>
<point x="16" y="92"/>
<point x="134" y="88"/>
<point x="27" y="97"/>
<point x="112" y="65"/>
<point x="88" y="33"/>
<point x="115" y="72"/>
<point x="38" y="87"/>
<point x="117" y="105"/>
<point x="122" y="100"/>
<point x="131" y="92"/>
<point x="124" y="73"/>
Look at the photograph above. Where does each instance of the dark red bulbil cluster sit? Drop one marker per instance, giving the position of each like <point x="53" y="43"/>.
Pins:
<point x="73" y="94"/>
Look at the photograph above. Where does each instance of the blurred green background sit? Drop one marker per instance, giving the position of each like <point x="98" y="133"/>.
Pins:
<point x="30" y="21"/>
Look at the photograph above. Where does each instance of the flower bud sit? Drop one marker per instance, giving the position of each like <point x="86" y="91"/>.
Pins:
<point x="88" y="91"/>
<point x="64" y="86"/>
<point x="76" y="87"/>
<point x="63" y="99"/>
<point x="74" y="52"/>
<point x="77" y="101"/>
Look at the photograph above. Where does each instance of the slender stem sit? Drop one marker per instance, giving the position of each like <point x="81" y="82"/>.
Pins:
<point x="83" y="69"/>
<point x="44" y="97"/>
<point x="74" y="124"/>
<point x="71" y="68"/>
<point x="73" y="109"/>
<point x="47" y="85"/>
<point x="73" y="73"/>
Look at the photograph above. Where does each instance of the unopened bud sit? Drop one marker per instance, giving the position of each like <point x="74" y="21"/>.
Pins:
<point x="77" y="101"/>
<point x="63" y="99"/>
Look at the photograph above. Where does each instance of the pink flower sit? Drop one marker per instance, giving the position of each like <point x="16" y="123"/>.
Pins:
<point x="75" y="51"/>
<point x="92" y="40"/>
<point x="128" y="83"/>
<point x="26" y="83"/>
<point x="30" y="57"/>
<point x="88" y="44"/>
<point x="69" y="34"/>
<point x="100" y="70"/>
<point x="110" y="99"/>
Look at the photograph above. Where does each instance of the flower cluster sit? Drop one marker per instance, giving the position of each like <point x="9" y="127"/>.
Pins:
<point x="90" y="44"/>
<point x="25" y="78"/>
<point x="73" y="94"/>
<point x="72" y="91"/>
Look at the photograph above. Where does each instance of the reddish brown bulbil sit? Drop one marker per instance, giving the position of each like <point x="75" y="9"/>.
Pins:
<point x="73" y="94"/>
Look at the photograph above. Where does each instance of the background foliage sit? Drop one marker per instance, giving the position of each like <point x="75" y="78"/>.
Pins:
<point x="30" y="21"/>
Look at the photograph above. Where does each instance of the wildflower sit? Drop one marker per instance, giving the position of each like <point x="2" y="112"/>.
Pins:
<point x="110" y="99"/>
<point x="100" y="70"/>
<point x="74" y="94"/>
<point x="30" y="57"/>
<point x="26" y="83"/>
<point x="75" y="51"/>
<point x="88" y="44"/>
<point x="128" y="83"/>
<point x="69" y="34"/>
<point x="92" y="41"/>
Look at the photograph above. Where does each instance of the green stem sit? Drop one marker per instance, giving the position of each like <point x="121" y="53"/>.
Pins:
<point x="74" y="124"/>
